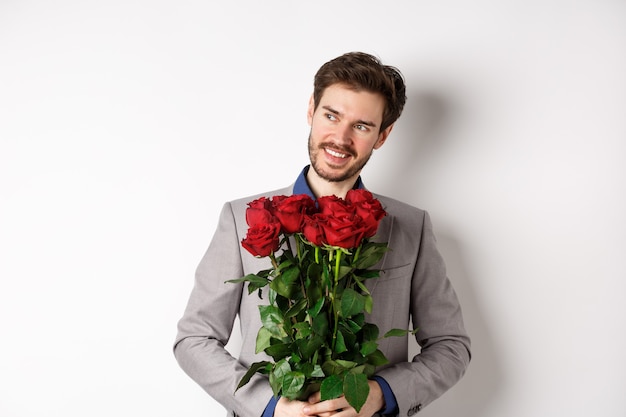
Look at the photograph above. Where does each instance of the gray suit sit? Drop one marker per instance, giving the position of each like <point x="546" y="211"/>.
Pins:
<point x="413" y="285"/>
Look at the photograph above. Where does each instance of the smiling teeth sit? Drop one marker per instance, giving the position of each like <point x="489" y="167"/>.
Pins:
<point x="336" y="154"/>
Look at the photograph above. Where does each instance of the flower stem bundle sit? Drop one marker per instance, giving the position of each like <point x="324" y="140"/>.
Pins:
<point x="313" y="326"/>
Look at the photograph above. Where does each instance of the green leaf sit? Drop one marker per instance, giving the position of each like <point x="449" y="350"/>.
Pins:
<point x="368" y="348"/>
<point x="359" y="319"/>
<point x="353" y="326"/>
<point x="358" y="369"/>
<point x="315" y="310"/>
<point x="279" y="350"/>
<point x="356" y="389"/>
<point x="307" y="347"/>
<point x="369" y="370"/>
<point x="292" y="384"/>
<point x="314" y="272"/>
<point x="255" y="282"/>
<point x="362" y="286"/>
<point x="369" y="303"/>
<point x="343" y="271"/>
<point x="317" y="372"/>
<point x="346" y="364"/>
<point x="351" y="303"/>
<point x="336" y="367"/>
<point x="370" y="332"/>
<point x="371" y="254"/>
<point x="349" y="338"/>
<point x="332" y="387"/>
<point x="303" y="330"/>
<point x="320" y="325"/>
<point x="281" y="302"/>
<point x="262" y="339"/>
<point x="284" y="285"/>
<point x="285" y="264"/>
<point x="281" y="368"/>
<point x="251" y="371"/>
<point x="291" y="274"/>
<point x="367" y="273"/>
<point x="377" y="358"/>
<point x="340" y="344"/>
<point x="398" y="332"/>
<point x="272" y="319"/>
<point x="296" y="309"/>
<point x="306" y="368"/>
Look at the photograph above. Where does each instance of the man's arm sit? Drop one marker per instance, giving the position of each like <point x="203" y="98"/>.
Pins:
<point x="207" y="323"/>
<point x="445" y="345"/>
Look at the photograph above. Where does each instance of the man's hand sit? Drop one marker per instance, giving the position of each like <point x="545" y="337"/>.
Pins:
<point x="287" y="408"/>
<point x="339" y="407"/>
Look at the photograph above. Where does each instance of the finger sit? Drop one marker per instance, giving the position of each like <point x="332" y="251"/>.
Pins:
<point x="328" y="406"/>
<point x="315" y="397"/>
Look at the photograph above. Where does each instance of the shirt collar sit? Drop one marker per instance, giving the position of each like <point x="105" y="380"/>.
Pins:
<point x="301" y="186"/>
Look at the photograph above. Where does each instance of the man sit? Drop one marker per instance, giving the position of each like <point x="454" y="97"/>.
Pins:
<point x="355" y="102"/>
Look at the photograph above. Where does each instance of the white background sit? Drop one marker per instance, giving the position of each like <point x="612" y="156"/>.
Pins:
<point x="124" y="126"/>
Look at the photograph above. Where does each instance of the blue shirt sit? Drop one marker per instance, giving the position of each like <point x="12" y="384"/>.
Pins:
<point x="301" y="186"/>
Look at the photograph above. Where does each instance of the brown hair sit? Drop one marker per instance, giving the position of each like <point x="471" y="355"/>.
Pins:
<point x="362" y="71"/>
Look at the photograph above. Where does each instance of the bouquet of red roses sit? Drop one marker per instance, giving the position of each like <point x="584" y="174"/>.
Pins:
<point x="314" y="326"/>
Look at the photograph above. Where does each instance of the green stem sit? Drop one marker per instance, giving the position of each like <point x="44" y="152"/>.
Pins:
<point x="335" y="309"/>
<point x="274" y="263"/>
<point x="303" y="273"/>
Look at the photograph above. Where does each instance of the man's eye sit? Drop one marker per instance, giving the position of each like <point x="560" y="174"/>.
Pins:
<point x="330" y="116"/>
<point x="361" y="127"/>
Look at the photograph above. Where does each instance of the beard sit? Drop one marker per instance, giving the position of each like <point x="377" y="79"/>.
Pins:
<point x="335" y="175"/>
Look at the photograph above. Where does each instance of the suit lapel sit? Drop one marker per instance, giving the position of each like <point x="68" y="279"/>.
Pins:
<point x="383" y="234"/>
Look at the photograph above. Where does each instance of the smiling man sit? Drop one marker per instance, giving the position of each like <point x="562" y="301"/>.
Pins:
<point x="355" y="102"/>
<point x="345" y="130"/>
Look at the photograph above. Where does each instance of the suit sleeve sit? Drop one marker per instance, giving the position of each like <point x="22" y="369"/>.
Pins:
<point x="445" y="345"/>
<point x="207" y="323"/>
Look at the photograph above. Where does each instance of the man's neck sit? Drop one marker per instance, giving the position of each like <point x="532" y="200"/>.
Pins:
<point x="322" y="187"/>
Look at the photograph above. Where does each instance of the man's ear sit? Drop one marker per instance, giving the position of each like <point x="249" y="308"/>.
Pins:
<point x="382" y="137"/>
<point x="311" y="110"/>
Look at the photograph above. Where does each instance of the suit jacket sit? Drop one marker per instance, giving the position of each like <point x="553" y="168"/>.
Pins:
<point x="413" y="285"/>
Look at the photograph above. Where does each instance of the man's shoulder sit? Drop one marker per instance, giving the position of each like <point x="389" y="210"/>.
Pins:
<point x="396" y="206"/>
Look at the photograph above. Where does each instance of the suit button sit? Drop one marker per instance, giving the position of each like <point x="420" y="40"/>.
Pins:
<point x="413" y="410"/>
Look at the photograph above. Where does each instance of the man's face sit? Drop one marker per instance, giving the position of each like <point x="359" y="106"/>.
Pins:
<point x="345" y="129"/>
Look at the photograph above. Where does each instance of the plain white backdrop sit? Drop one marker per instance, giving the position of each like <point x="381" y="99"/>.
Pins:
<point x="125" y="125"/>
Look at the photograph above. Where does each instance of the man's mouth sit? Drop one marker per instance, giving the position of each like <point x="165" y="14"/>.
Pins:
<point x="335" y="153"/>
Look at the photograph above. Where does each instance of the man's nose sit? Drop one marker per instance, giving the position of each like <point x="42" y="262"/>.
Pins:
<point x="344" y="133"/>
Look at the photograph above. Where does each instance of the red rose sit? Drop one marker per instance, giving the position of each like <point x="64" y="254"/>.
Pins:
<point x="368" y="208"/>
<point x="359" y="195"/>
<point x="312" y="228"/>
<point x="332" y="205"/>
<point x="262" y="239"/>
<point x="258" y="212"/>
<point x="290" y="211"/>
<point x="345" y="231"/>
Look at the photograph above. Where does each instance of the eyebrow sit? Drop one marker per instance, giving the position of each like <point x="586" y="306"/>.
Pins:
<point x="361" y="122"/>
